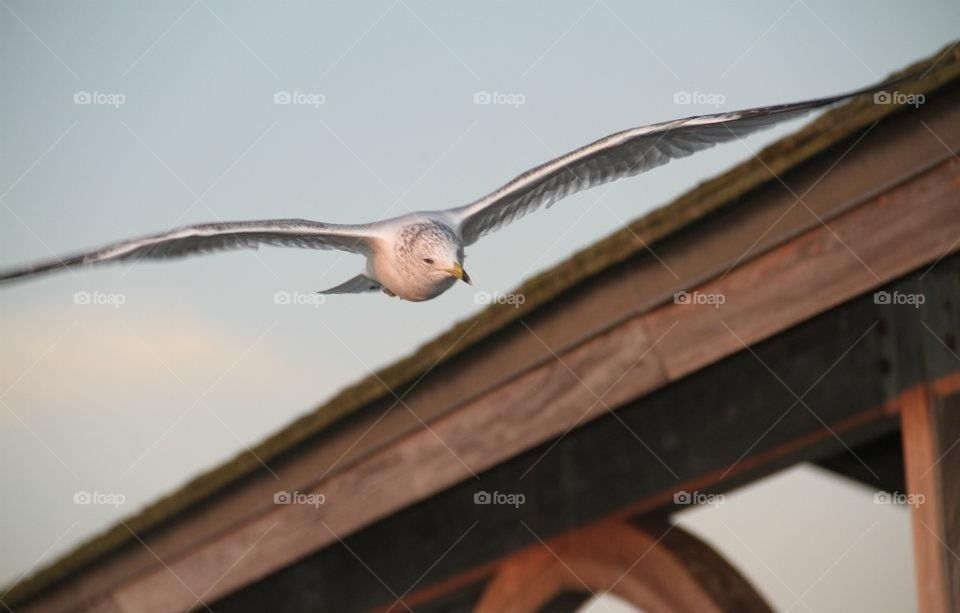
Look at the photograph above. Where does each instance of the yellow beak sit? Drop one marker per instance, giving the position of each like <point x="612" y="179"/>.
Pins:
<point x="457" y="272"/>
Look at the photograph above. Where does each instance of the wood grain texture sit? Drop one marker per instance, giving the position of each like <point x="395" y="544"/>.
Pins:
<point x="667" y="570"/>
<point x="931" y="430"/>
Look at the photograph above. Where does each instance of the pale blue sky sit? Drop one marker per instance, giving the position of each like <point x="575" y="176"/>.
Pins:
<point x="104" y="398"/>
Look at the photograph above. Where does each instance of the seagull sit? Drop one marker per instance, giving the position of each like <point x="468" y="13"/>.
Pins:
<point x="418" y="256"/>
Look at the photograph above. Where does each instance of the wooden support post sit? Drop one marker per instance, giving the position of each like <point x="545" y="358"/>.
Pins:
<point x="930" y="420"/>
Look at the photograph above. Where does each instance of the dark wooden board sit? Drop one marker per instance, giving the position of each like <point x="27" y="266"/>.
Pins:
<point x="699" y="426"/>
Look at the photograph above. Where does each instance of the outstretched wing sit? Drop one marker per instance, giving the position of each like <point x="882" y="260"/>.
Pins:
<point x="208" y="237"/>
<point x="621" y="155"/>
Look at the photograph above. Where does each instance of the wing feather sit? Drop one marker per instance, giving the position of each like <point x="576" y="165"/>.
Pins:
<point x="622" y="155"/>
<point x="211" y="237"/>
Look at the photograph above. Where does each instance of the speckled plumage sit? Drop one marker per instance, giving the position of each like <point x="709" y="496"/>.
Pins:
<point x="398" y="261"/>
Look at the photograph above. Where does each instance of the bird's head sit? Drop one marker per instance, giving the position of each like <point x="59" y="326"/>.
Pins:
<point x="440" y="261"/>
<point x="435" y="252"/>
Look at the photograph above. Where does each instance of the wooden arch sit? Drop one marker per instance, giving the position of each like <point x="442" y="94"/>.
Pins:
<point x="659" y="571"/>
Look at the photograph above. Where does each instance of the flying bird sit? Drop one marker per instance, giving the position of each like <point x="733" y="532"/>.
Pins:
<point x="418" y="256"/>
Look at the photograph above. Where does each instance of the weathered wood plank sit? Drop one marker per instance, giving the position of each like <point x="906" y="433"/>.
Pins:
<point x="847" y="256"/>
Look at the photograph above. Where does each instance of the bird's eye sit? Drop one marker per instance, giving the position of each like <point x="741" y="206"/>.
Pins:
<point x="428" y="260"/>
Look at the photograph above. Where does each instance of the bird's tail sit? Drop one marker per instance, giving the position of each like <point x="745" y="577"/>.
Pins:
<point x="357" y="285"/>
